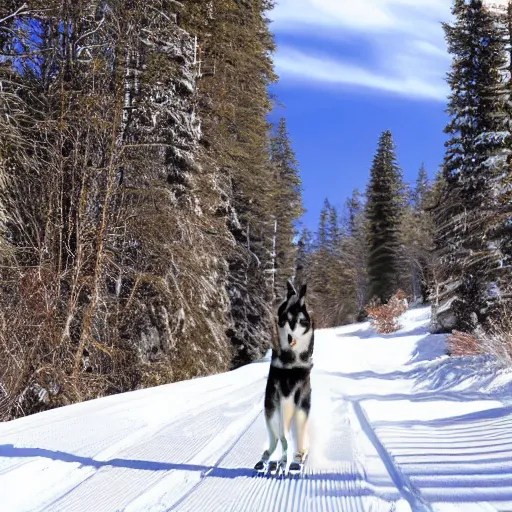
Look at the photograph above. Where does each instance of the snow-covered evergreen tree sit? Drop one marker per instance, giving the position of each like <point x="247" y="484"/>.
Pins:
<point x="383" y="212"/>
<point x="303" y="258"/>
<point x="467" y="236"/>
<point x="416" y="238"/>
<point x="422" y="188"/>
<point x="355" y="249"/>
<point x="331" y="276"/>
<point x="287" y="201"/>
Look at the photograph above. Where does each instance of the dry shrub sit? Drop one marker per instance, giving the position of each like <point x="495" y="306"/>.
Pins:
<point x="495" y="340"/>
<point x="26" y="331"/>
<point x="385" y="317"/>
<point x="498" y="340"/>
<point x="464" y="344"/>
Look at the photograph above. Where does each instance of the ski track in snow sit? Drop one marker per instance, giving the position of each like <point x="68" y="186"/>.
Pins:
<point x="396" y="426"/>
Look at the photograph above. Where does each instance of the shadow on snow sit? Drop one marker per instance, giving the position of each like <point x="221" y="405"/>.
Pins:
<point x="350" y="483"/>
<point x="470" y="454"/>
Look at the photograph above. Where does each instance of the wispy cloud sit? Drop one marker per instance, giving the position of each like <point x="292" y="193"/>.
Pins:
<point x="405" y="36"/>
<point x="358" y="14"/>
<point x="321" y="69"/>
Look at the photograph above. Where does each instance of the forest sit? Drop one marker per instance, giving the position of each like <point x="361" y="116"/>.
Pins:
<point x="150" y="211"/>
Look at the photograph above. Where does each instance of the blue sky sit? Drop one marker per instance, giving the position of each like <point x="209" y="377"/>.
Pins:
<point x="350" y="69"/>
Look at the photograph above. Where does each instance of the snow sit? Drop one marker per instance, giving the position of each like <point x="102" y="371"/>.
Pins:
<point x="396" y="425"/>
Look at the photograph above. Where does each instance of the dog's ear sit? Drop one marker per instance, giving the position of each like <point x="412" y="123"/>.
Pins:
<point x="302" y="294"/>
<point x="291" y="289"/>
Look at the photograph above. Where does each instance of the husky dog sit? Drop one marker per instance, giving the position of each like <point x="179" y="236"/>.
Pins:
<point x="288" y="391"/>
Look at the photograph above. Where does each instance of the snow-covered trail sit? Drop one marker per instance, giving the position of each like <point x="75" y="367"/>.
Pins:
<point x="395" y="426"/>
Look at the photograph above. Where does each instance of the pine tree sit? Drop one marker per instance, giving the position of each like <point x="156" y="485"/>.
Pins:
<point x="333" y="230"/>
<point x="383" y="213"/>
<point x="332" y="272"/>
<point x="417" y="239"/>
<point x="234" y="53"/>
<point x="467" y="237"/>
<point x="322" y="238"/>
<point x="355" y="209"/>
<point x="303" y="259"/>
<point x="504" y="225"/>
<point x="322" y="268"/>
<point x="287" y="205"/>
<point x="354" y="249"/>
<point x="421" y="189"/>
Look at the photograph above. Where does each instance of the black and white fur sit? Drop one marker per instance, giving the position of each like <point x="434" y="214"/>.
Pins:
<point x="288" y="391"/>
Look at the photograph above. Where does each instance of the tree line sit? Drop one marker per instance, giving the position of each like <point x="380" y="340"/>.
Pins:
<point x="148" y="209"/>
<point x="447" y="241"/>
<point x="379" y="242"/>
<point x="147" y="205"/>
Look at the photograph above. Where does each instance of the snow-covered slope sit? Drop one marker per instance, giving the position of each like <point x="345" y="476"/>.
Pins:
<point x="396" y="426"/>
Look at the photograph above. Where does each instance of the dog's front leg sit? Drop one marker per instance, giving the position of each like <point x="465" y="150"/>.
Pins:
<point x="272" y="421"/>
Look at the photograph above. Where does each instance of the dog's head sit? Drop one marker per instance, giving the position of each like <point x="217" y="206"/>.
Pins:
<point x="292" y="314"/>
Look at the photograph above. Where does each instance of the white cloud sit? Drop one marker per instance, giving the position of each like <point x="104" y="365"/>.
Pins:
<point x="322" y="69"/>
<point x="405" y="35"/>
<point x="358" y="14"/>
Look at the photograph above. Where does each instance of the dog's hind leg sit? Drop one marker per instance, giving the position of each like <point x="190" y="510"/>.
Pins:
<point x="272" y="429"/>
